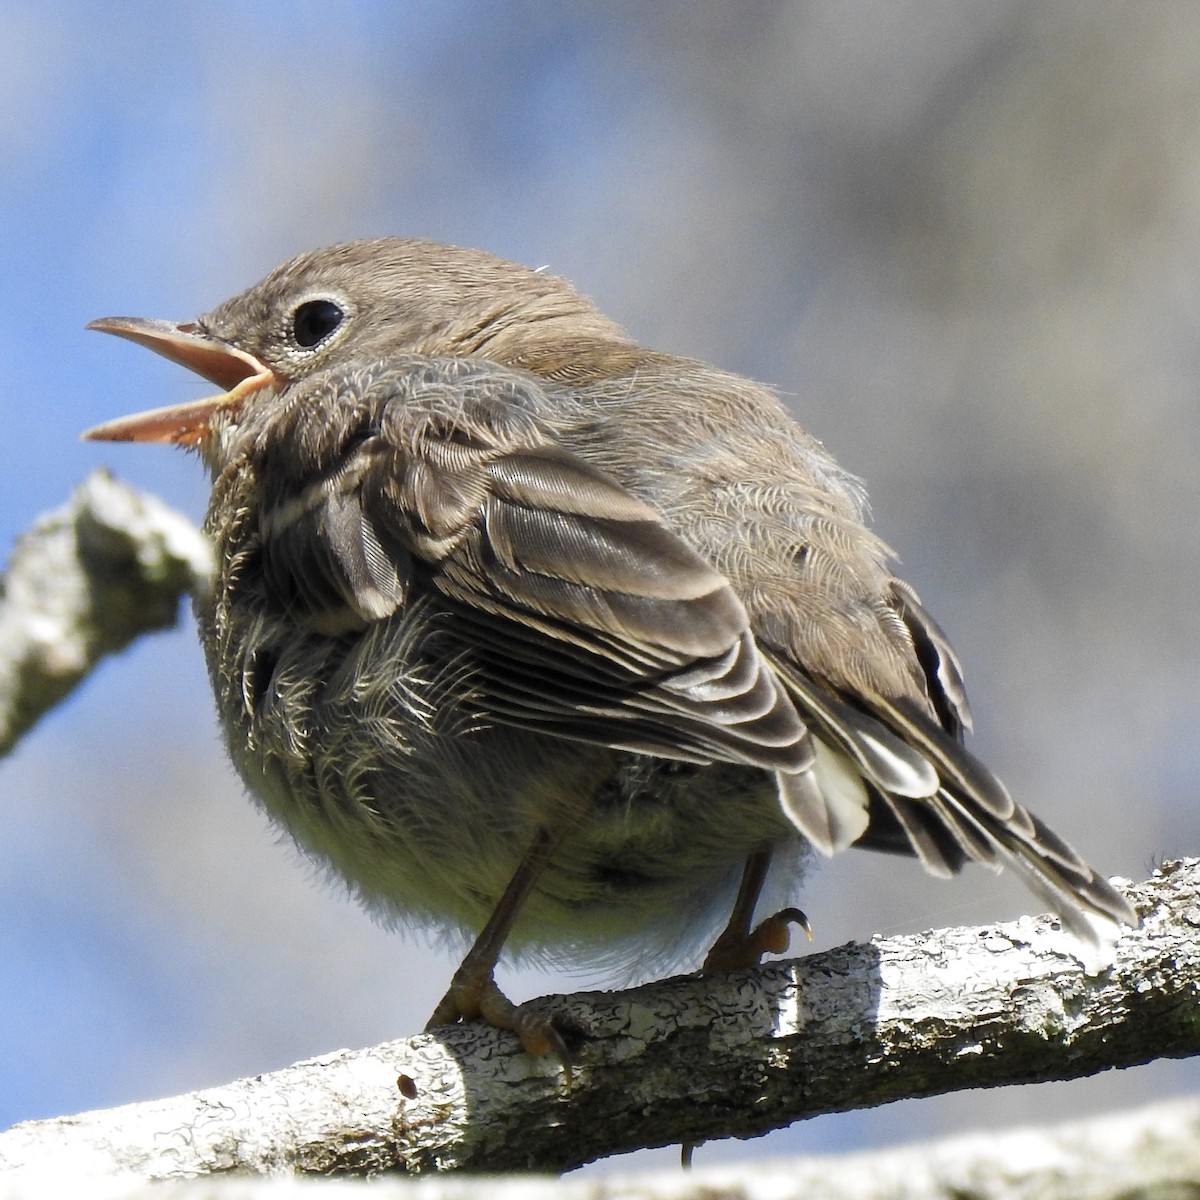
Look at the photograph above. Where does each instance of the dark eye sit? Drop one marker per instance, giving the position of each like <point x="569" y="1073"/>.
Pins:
<point x="314" y="321"/>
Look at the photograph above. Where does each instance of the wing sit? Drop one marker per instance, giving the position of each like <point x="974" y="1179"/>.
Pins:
<point x="579" y="611"/>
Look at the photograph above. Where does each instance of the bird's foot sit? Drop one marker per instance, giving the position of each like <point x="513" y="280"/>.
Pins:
<point x="475" y="996"/>
<point x="737" y="948"/>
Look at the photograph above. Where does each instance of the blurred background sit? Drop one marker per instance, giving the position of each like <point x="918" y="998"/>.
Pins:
<point x="962" y="236"/>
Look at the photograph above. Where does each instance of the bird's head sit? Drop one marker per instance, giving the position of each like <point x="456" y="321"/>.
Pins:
<point x="356" y="302"/>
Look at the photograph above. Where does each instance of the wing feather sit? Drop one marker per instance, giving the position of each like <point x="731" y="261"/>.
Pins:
<point x="580" y="611"/>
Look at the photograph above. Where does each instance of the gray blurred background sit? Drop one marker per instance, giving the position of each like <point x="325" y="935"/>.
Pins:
<point x="963" y="237"/>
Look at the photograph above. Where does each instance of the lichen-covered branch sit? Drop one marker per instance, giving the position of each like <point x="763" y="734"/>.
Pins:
<point x="688" y="1059"/>
<point x="86" y="580"/>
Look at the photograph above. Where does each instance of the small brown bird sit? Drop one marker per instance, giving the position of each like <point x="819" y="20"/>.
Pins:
<point x="529" y="632"/>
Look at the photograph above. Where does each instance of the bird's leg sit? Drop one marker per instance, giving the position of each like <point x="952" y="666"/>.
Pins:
<point x="739" y="945"/>
<point x="473" y="992"/>
<point x="742" y="946"/>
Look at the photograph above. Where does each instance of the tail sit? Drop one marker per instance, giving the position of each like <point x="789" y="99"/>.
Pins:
<point x="922" y="793"/>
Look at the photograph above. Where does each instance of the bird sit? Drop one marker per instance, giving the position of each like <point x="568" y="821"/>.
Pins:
<point x="553" y="642"/>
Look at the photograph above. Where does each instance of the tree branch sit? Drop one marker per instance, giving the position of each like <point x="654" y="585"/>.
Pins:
<point x="687" y="1059"/>
<point x="86" y="580"/>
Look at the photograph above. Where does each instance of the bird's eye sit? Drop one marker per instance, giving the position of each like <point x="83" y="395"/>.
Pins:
<point x="314" y="321"/>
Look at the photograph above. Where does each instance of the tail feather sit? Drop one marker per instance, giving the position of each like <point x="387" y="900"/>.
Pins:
<point x="924" y="837"/>
<point x="966" y="816"/>
<point x="1085" y="900"/>
<point x="970" y="837"/>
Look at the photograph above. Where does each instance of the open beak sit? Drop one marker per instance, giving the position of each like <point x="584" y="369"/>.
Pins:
<point x="238" y="373"/>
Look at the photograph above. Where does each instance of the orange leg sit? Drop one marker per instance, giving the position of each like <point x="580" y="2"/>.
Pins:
<point x="740" y="945"/>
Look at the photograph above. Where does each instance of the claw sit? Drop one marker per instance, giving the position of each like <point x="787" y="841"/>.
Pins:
<point x="734" y="950"/>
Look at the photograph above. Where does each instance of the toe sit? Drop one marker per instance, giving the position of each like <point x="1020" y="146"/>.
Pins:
<point x="471" y="999"/>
